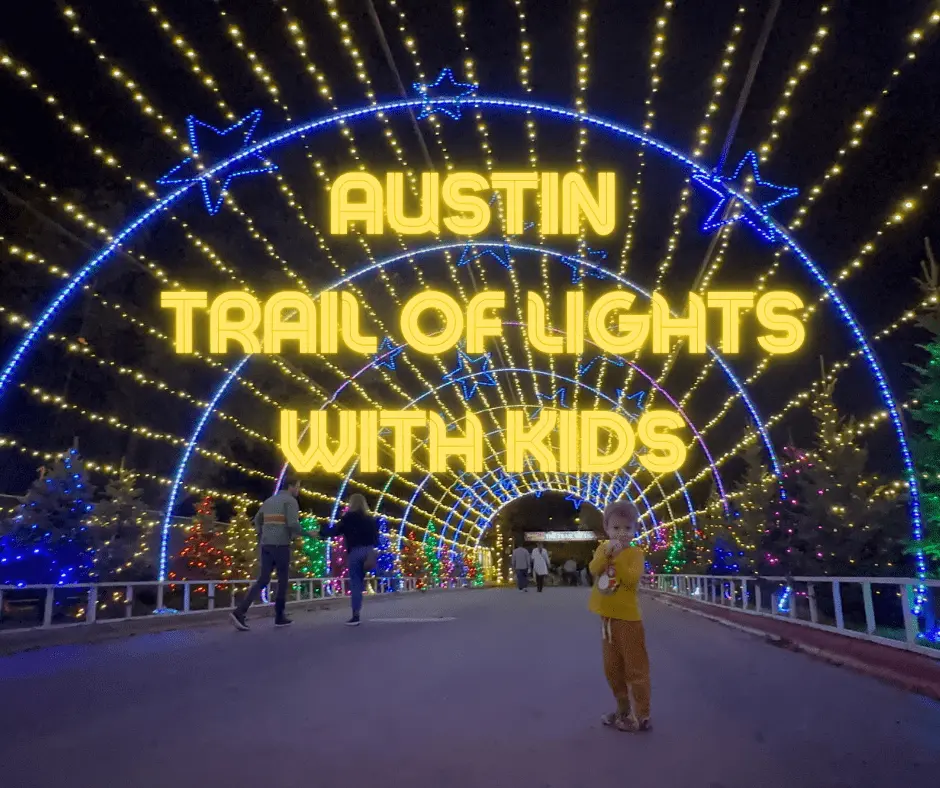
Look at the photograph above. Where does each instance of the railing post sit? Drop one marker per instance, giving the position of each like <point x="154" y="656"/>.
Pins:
<point x="794" y="613"/>
<point x="299" y="595"/>
<point x="757" y="599"/>
<point x="910" y="623"/>
<point x="128" y="601"/>
<point x="211" y="596"/>
<point x="773" y="603"/>
<point x="837" y="601"/>
<point x="869" y="608"/>
<point x="1" y="604"/>
<point x="811" y="596"/>
<point x="744" y="596"/>
<point x="91" y="610"/>
<point x="159" y="596"/>
<point x="186" y="588"/>
<point x="47" y="608"/>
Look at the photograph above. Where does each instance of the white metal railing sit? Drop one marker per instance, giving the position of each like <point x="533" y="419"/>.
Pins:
<point x="821" y="602"/>
<point x="88" y="603"/>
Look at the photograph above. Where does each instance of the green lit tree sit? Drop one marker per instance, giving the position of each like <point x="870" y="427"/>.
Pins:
<point x="676" y="553"/>
<point x="925" y="411"/>
<point x="432" y="564"/>
<point x="310" y="559"/>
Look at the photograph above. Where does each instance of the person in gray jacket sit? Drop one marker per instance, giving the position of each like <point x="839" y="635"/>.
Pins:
<point x="277" y="523"/>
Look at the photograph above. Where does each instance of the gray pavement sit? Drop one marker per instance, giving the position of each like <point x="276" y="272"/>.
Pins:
<point x="506" y="693"/>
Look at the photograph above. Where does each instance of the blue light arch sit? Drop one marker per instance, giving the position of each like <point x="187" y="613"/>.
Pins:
<point x="694" y="169"/>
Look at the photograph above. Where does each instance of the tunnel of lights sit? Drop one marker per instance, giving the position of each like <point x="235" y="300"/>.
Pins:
<point x="755" y="215"/>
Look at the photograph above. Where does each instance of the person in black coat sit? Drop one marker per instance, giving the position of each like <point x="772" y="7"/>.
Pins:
<point x="361" y="533"/>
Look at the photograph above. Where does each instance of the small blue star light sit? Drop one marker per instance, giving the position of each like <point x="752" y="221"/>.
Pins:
<point x="388" y="351"/>
<point x="578" y="269"/>
<point x="615" y="360"/>
<point x="472" y="252"/>
<point x="576" y="500"/>
<point x="482" y="376"/>
<point x="444" y="87"/>
<point x="558" y="396"/>
<point x="190" y="170"/>
<point x="766" y="197"/>
<point x="635" y="399"/>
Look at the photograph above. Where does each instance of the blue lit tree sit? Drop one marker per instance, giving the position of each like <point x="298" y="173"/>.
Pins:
<point x="385" y="567"/>
<point x="48" y="539"/>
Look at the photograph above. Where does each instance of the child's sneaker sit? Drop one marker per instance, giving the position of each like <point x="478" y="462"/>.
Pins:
<point x="610" y="719"/>
<point x="645" y="725"/>
<point x="626" y="723"/>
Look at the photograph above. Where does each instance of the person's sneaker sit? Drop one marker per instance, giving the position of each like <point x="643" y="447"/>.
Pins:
<point x="645" y="725"/>
<point x="238" y="619"/>
<point x="609" y="719"/>
<point x="353" y="622"/>
<point x="283" y="621"/>
<point x="626" y="723"/>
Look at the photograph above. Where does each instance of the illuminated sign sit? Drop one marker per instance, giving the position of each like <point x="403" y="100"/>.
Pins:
<point x="551" y="440"/>
<point x="360" y="199"/>
<point x="579" y="440"/>
<point x="560" y="536"/>
<point x="240" y="321"/>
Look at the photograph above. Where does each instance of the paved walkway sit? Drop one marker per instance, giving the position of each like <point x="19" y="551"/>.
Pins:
<point x="506" y="693"/>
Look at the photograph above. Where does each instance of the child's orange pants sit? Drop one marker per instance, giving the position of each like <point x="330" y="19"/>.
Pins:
<point x="627" y="665"/>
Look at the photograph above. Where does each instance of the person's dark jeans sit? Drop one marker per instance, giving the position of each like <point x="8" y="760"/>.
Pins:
<point x="540" y="581"/>
<point x="522" y="579"/>
<point x="273" y="556"/>
<point x="355" y="559"/>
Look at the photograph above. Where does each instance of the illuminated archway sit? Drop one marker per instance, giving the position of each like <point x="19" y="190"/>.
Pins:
<point x="758" y="217"/>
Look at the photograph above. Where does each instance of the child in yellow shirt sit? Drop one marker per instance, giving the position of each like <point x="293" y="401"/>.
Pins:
<point x="617" y="567"/>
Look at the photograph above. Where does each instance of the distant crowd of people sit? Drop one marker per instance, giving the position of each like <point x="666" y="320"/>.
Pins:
<point x="538" y="564"/>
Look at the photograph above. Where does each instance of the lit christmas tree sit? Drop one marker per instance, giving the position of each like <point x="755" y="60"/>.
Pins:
<point x="48" y="539"/>
<point x="432" y="564"/>
<point x="123" y="529"/>
<point x="310" y="559"/>
<point x="848" y="521"/>
<point x="925" y="410"/>
<point x="413" y="560"/>
<point x="385" y="566"/>
<point x="448" y="567"/>
<point x="675" y="553"/>
<point x="203" y="554"/>
<point x="757" y="525"/>
<point x="241" y="544"/>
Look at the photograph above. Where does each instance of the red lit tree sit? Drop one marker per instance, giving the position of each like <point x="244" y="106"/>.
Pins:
<point x="205" y="557"/>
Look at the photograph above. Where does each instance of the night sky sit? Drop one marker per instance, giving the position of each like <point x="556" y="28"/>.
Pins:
<point x="863" y="61"/>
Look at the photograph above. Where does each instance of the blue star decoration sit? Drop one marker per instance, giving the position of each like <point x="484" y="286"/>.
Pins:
<point x="388" y="351"/>
<point x="559" y="397"/>
<point x="500" y="253"/>
<point x="238" y="137"/>
<point x="472" y="252"/>
<point x="444" y="87"/>
<point x="479" y="367"/>
<point x="578" y="269"/>
<point x="615" y="360"/>
<point x="635" y="399"/>
<point x="576" y="500"/>
<point x="766" y="196"/>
